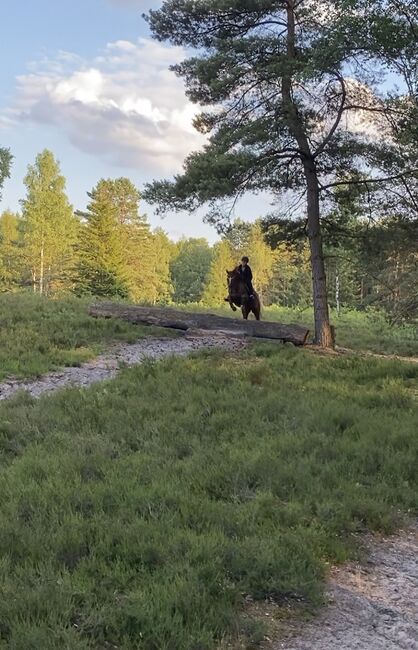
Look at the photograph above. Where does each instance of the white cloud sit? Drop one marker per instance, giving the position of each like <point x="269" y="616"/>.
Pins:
<point x="144" y="5"/>
<point x="124" y="106"/>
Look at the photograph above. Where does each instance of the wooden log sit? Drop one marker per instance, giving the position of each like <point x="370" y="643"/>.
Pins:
<point x="181" y="320"/>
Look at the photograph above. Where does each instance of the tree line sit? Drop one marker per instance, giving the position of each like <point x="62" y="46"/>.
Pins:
<point x="110" y="250"/>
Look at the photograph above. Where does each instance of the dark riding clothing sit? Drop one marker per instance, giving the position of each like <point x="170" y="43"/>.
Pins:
<point x="247" y="277"/>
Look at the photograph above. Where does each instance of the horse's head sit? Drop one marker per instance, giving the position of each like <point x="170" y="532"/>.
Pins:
<point x="231" y="276"/>
<point x="234" y="282"/>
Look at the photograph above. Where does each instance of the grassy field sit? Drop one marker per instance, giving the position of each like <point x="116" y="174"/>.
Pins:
<point x="37" y="335"/>
<point x="139" y="513"/>
<point x="365" y="331"/>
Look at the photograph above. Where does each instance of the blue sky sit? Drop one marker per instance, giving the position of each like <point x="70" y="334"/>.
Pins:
<point x="83" y="78"/>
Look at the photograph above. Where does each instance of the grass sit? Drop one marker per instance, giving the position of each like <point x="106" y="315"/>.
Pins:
<point x="37" y="335"/>
<point x="139" y="513"/>
<point x="363" y="331"/>
<point x="367" y="331"/>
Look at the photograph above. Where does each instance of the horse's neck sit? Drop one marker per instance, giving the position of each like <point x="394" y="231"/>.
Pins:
<point x="240" y="289"/>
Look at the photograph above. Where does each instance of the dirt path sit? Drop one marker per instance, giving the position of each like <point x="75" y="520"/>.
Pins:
<point x="372" y="607"/>
<point x="107" y="365"/>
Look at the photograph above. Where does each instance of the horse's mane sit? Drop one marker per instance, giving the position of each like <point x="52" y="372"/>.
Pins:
<point x="236" y="284"/>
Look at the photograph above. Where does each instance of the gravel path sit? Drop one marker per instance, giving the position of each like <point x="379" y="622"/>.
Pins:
<point x="107" y="366"/>
<point x="372" y="607"/>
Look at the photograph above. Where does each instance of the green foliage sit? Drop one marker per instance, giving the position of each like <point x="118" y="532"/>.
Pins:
<point x="118" y="254"/>
<point x="11" y="254"/>
<point x="141" y="512"/>
<point x="290" y="284"/>
<point x="189" y="269"/>
<point x="370" y="246"/>
<point x="162" y="254"/>
<point x="38" y="334"/>
<point x="103" y="267"/>
<point x="5" y="165"/>
<point x="49" y="226"/>
<point x="366" y="331"/>
<point x="223" y="260"/>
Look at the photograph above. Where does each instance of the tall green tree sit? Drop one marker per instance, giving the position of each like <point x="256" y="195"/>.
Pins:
<point x="10" y="251"/>
<point x="135" y="233"/>
<point x="290" y="284"/>
<point x="5" y="165"/>
<point x="103" y="265"/>
<point x="285" y="84"/>
<point x="189" y="269"/>
<point x="151" y="254"/>
<point x="223" y="260"/>
<point x="162" y="252"/>
<point x="49" y="225"/>
<point x="262" y="259"/>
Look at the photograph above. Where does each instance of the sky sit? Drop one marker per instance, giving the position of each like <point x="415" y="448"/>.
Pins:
<point x="84" y="79"/>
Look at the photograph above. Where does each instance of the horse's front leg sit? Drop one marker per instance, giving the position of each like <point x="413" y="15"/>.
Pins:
<point x="231" y="304"/>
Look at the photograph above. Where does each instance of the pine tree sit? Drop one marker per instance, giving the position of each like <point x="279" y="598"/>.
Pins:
<point x="136" y="236"/>
<point x="216" y="284"/>
<point x="139" y="255"/>
<point x="49" y="225"/>
<point x="103" y="266"/>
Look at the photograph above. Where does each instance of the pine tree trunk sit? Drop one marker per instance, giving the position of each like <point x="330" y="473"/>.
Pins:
<point x="323" y="331"/>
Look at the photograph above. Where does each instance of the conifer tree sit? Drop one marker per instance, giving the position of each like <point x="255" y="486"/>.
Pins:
<point x="103" y="268"/>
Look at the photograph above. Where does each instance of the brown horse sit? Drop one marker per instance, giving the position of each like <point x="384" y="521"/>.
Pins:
<point x="238" y="295"/>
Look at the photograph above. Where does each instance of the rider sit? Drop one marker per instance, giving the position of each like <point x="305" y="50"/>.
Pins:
<point x="246" y="275"/>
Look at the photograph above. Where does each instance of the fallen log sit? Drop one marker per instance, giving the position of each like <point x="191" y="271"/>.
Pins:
<point x="182" y="320"/>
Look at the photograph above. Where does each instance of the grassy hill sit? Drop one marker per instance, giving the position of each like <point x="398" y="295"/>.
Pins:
<point x="37" y="335"/>
<point x="140" y="513"/>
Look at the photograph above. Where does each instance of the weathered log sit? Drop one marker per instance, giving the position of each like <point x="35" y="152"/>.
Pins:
<point x="181" y="320"/>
